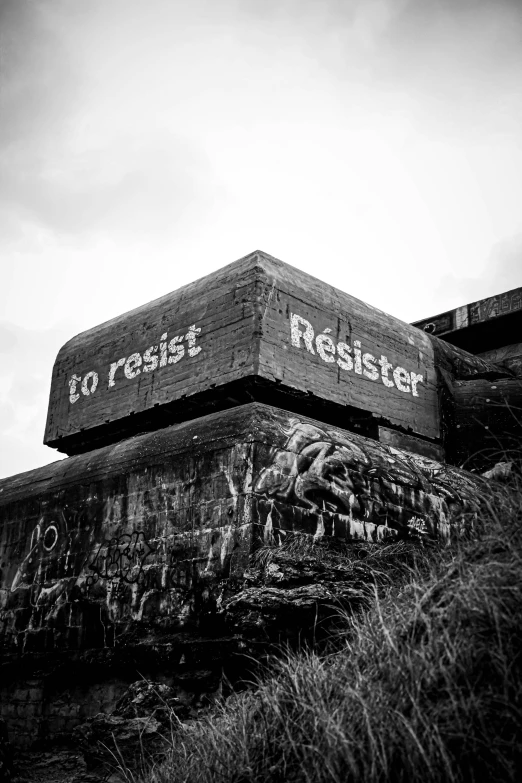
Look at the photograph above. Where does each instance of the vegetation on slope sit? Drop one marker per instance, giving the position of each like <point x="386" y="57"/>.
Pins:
<point x="424" y="685"/>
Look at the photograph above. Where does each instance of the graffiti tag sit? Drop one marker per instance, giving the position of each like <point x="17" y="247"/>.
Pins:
<point x="122" y="558"/>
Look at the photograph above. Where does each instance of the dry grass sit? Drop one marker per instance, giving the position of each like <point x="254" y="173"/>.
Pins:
<point x="425" y="686"/>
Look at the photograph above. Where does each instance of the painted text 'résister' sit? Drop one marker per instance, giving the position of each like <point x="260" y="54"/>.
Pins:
<point x="352" y="358"/>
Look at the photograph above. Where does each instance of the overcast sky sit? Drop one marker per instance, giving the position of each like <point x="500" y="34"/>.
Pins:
<point x="376" y="144"/>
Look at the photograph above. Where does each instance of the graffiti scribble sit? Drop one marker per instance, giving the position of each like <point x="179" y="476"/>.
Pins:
<point x="122" y="558"/>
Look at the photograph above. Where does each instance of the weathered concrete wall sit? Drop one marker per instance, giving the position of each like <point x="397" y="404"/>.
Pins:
<point x="487" y="425"/>
<point x="509" y="356"/>
<point x="117" y="564"/>
<point x="481" y="411"/>
<point x="257" y="323"/>
<point x="94" y="544"/>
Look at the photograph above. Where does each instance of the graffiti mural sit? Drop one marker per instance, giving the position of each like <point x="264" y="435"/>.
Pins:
<point x="377" y="491"/>
<point x="133" y="548"/>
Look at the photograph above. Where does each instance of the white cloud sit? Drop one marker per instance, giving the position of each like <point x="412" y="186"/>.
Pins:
<point x="374" y="144"/>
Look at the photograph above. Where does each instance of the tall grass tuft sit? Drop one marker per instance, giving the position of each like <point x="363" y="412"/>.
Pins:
<point x="425" y="686"/>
